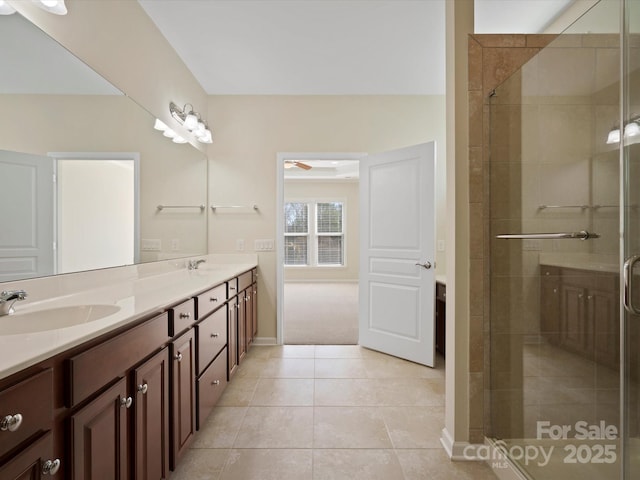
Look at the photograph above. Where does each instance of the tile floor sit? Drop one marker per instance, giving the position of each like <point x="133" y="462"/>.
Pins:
<point x="326" y="412"/>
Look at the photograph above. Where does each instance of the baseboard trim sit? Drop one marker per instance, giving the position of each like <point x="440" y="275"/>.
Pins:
<point x="488" y="452"/>
<point x="460" y="451"/>
<point x="265" y="341"/>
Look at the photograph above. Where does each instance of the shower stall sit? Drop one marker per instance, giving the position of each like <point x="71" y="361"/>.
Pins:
<point x="564" y="263"/>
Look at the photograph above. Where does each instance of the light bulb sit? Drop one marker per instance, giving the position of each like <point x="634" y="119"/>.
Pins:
<point x="190" y="121"/>
<point x="160" y="125"/>
<point x="614" y="136"/>
<point x="632" y="129"/>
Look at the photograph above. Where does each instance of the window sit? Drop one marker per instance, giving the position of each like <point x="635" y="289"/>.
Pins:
<point x="314" y="233"/>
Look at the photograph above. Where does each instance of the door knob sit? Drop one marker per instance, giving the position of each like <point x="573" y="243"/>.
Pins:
<point x="426" y="265"/>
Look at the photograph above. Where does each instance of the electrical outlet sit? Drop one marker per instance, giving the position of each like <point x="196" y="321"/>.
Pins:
<point x="150" y="245"/>
<point x="175" y="244"/>
<point x="240" y="245"/>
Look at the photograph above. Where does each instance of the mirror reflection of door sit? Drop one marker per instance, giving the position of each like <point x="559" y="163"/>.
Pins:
<point x="26" y="233"/>
<point x="96" y="212"/>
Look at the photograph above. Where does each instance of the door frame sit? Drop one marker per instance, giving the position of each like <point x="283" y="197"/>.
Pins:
<point x="130" y="156"/>
<point x="281" y="158"/>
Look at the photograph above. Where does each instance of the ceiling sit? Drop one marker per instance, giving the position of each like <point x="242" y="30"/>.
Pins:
<point x="328" y="47"/>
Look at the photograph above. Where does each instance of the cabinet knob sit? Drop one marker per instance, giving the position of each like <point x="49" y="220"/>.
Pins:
<point x="246" y="299"/>
<point x="555" y="290"/>
<point x="215" y="382"/>
<point x="11" y="422"/>
<point x="589" y="297"/>
<point x="178" y="357"/>
<point x="215" y="335"/>
<point x="143" y="388"/>
<point x="580" y="295"/>
<point x="213" y="299"/>
<point x="185" y="315"/>
<point x="51" y="467"/>
<point x="126" y="402"/>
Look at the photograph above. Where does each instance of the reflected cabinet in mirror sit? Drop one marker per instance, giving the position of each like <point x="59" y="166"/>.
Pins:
<point x="82" y="171"/>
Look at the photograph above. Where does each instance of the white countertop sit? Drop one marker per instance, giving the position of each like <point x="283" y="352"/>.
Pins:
<point x="581" y="261"/>
<point x="137" y="296"/>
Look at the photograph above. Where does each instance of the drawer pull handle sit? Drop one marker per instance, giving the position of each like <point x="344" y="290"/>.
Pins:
<point x="185" y="315"/>
<point x="126" y="402"/>
<point x="213" y="299"/>
<point x="51" y="467"/>
<point x="11" y="422"/>
<point x="232" y="288"/>
<point x="143" y="388"/>
<point x="215" y="335"/>
<point x="178" y="357"/>
<point x="215" y="382"/>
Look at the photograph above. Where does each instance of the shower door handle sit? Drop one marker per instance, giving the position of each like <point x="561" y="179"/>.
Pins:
<point x="581" y="235"/>
<point x="627" y="273"/>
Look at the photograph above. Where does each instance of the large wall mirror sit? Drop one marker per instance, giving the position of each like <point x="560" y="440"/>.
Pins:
<point x="82" y="171"/>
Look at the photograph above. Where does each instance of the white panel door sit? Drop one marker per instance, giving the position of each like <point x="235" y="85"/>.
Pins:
<point x="397" y="223"/>
<point x="26" y="234"/>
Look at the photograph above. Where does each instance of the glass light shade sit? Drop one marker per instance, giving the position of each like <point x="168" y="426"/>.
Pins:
<point x="6" y="9"/>
<point x="169" y="133"/>
<point x="56" y="7"/>
<point x="190" y="121"/>
<point x="178" y="139"/>
<point x="614" y="136"/>
<point x="631" y="130"/>
<point x="160" y="125"/>
<point x="207" y="137"/>
<point x="199" y="130"/>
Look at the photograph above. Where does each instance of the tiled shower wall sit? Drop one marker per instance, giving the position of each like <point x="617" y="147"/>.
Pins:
<point x="492" y="60"/>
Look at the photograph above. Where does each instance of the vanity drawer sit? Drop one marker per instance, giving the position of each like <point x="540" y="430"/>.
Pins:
<point x="32" y="399"/>
<point x="92" y="369"/>
<point x="181" y="317"/>
<point x="212" y="337"/>
<point x="245" y="280"/>
<point x="208" y="301"/>
<point x="210" y="386"/>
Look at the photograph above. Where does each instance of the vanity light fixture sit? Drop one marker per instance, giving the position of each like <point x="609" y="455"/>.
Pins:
<point x="631" y="129"/>
<point x="6" y="9"/>
<point x="56" y="7"/>
<point x="191" y="121"/>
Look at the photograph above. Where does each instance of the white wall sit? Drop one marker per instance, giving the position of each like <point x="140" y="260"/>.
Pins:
<point x="251" y="130"/>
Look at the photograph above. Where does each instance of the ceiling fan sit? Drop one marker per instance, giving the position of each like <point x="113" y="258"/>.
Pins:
<point x="295" y="163"/>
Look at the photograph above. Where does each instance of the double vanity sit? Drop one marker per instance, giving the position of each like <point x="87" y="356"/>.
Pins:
<point x="110" y="374"/>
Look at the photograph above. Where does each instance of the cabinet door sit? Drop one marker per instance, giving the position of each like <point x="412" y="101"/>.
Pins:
<point x="254" y="318"/>
<point x="151" y="402"/>
<point x="232" y="340"/>
<point x="183" y="393"/>
<point x="242" y="330"/>
<point x="30" y="463"/>
<point x="602" y="307"/>
<point x="550" y="310"/>
<point x="99" y="439"/>
<point x="248" y="317"/>
<point x="573" y="319"/>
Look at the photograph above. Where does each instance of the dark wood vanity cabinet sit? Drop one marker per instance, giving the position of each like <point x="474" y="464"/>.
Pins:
<point x="150" y="389"/>
<point x="441" y="309"/>
<point x="126" y="405"/>
<point x="579" y="311"/>
<point x="183" y="394"/>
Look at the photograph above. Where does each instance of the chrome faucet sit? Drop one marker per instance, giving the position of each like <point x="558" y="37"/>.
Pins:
<point x="193" y="264"/>
<point x="8" y="298"/>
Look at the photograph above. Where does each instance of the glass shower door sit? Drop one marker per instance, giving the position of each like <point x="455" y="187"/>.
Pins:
<point x="630" y="143"/>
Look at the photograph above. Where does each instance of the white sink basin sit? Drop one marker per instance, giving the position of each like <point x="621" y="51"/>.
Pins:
<point x="53" y="318"/>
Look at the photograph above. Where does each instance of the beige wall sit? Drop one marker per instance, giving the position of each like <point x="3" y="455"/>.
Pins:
<point x="319" y="190"/>
<point x="127" y="49"/>
<point x="251" y="130"/>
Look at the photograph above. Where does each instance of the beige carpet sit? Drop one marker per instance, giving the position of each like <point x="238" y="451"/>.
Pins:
<point x="321" y="313"/>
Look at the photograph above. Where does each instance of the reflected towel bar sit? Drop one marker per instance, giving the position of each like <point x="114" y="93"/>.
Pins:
<point x="162" y="207"/>
<point x="582" y="235"/>
<point x="253" y="206"/>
